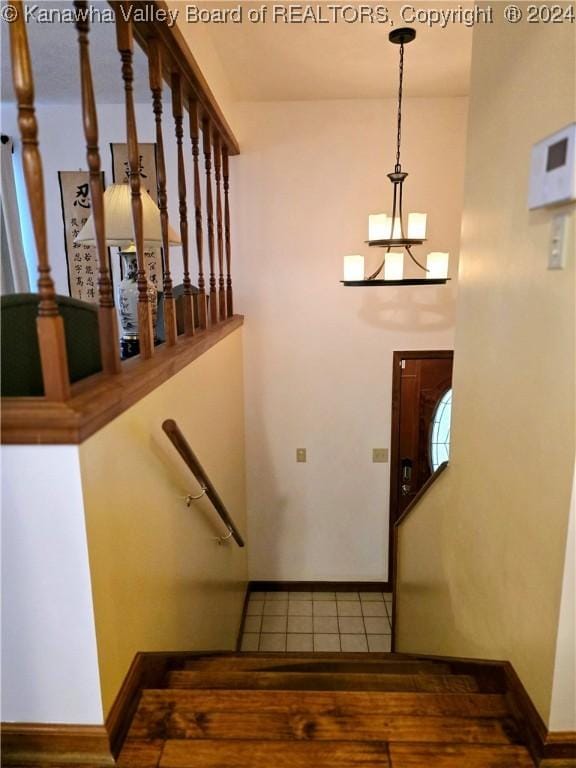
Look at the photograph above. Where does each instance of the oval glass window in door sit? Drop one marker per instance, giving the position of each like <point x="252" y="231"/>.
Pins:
<point x="440" y="431"/>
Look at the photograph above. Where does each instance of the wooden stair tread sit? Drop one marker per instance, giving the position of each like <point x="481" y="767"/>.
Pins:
<point x="351" y="702"/>
<point x="280" y="754"/>
<point x="279" y="664"/>
<point x="325" y="711"/>
<point x="322" y="681"/>
<point x="199" y="723"/>
<point x="458" y="756"/>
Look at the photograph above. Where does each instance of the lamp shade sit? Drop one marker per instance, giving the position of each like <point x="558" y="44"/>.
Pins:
<point x="118" y="219"/>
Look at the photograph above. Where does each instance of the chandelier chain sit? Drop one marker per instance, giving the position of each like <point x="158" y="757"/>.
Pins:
<point x="399" y="134"/>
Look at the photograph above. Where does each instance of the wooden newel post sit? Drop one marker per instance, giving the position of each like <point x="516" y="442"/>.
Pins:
<point x="226" y="177"/>
<point x="178" y="114"/>
<point x="195" y="140"/>
<point x="206" y="131"/>
<point x="219" y="229"/>
<point x="125" y="44"/>
<point x="107" y="319"/>
<point x="155" y="75"/>
<point x="50" y="326"/>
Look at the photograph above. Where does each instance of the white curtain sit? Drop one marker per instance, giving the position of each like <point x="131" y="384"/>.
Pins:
<point x="14" y="270"/>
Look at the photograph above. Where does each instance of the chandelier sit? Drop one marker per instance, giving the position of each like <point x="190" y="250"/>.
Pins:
<point x="391" y="232"/>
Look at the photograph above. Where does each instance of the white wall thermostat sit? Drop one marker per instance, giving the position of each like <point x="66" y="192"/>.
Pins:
<point x="553" y="169"/>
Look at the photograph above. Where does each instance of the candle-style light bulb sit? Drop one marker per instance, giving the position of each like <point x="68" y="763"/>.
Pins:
<point x="394" y="266"/>
<point x="437" y="265"/>
<point x="378" y="226"/>
<point x="417" y="226"/>
<point x="353" y="268"/>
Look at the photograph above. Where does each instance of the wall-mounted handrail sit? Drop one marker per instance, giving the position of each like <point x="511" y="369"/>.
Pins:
<point x="191" y="460"/>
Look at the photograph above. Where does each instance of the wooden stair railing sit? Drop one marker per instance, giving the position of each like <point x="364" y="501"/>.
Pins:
<point x="170" y="61"/>
<point x="155" y="75"/>
<point x="50" y="326"/>
<point x="191" y="460"/>
<point x="107" y="320"/>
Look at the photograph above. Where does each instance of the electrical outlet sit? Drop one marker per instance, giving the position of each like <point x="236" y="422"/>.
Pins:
<point x="379" y="455"/>
<point x="301" y="455"/>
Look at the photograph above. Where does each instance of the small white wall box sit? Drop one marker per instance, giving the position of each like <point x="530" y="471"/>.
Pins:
<point x="553" y="169"/>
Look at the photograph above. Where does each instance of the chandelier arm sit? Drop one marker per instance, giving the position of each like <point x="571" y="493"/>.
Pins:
<point x="394" y="202"/>
<point x="415" y="260"/>
<point x="400" y="211"/>
<point x="375" y="274"/>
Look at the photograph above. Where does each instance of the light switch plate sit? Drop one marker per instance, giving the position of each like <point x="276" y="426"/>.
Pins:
<point x="301" y="455"/>
<point x="379" y="455"/>
<point x="557" y="253"/>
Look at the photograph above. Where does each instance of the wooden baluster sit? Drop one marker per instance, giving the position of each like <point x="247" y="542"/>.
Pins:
<point x="195" y="139"/>
<point x="107" y="319"/>
<point x="50" y="326"/>
<point x="210" y="217"/>
<point x="124" y="44"/>
<point x="155" y="76"/>
<point x="217" y="172"/>
<point x="177" y="112"/>
<point x="226" y="178"/>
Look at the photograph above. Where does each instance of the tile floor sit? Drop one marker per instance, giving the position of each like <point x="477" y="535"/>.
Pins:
<point x="318" y="621"/>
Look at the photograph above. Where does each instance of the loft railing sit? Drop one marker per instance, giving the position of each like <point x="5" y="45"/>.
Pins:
<point x="191" y="460"/>
<point x="170" y="61"/>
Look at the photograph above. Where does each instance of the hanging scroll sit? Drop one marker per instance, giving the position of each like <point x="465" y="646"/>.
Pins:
<point x="148" y="180"/>
<point x="82" y="259"/>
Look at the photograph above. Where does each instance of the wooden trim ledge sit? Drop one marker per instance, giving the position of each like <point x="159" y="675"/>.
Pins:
<point x="55" y="744"/>
<point x="195" y="84"/>
<point x="553" y="748"/>
<point x="318" y="586"/>
<point x="99" y="399"/>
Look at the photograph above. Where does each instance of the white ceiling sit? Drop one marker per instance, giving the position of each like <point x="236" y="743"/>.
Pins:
<point x="266" y="61"/>
<point x="54" y="53"/>
<point x="278" y="61"/>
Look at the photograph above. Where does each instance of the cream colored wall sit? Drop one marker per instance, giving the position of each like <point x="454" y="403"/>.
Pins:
<point x="318" y="355"/>
<point x="563" y="706"/>
<point x="49" y="655"/>
<point x="482" y="557"/>
<point x="159" y="580"/>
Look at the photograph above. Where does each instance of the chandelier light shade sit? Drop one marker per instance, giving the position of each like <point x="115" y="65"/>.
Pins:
<point x="437" y="265"/>
<point x="393" y="233"/>
<point x="353" y="267"/>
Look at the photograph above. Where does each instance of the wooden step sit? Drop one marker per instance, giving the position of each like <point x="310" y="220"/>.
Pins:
<point x="312" y="681"/>
<point x="280" y="754"/>
<point x="458" y="756"/>
<point x="305" y="664"/>
<point x="323" y="717"/>
<point x="273" y="754"/>
<point x="351" y="702"/>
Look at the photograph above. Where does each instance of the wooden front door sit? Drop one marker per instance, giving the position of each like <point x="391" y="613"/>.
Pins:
<point x="420" y="380"/>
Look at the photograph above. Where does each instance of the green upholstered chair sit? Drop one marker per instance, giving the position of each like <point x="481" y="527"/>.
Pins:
<point x="21" y="372"/>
